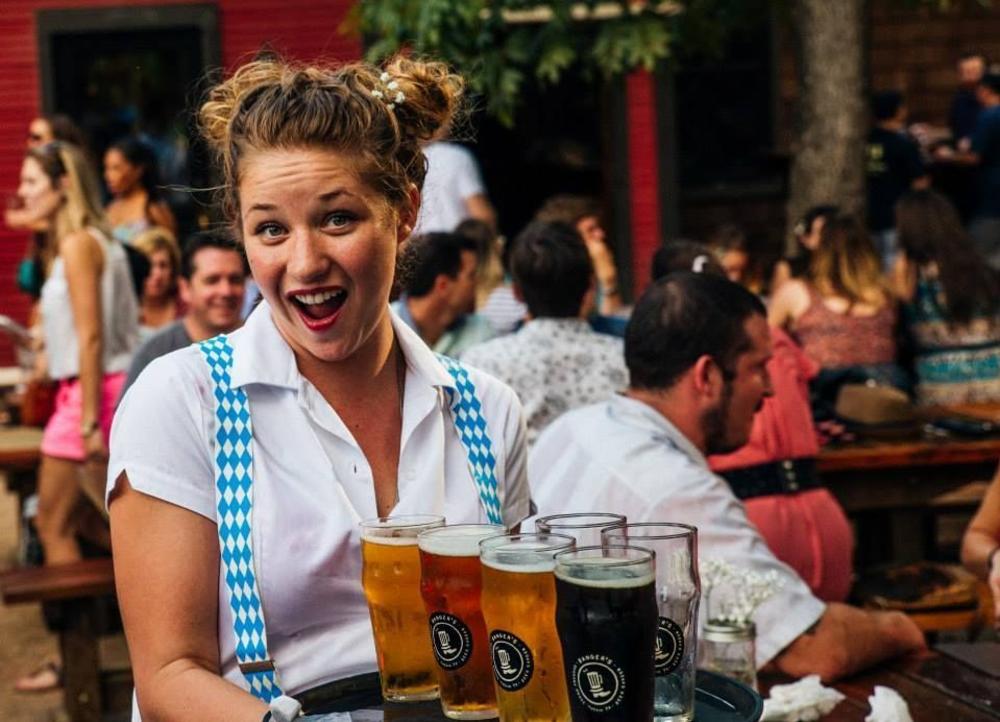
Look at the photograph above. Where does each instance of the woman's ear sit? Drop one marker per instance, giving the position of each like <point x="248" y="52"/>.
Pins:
<point x="408" y="216"/>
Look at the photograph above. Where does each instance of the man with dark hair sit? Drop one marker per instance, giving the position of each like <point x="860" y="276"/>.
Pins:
<point x="965" y="106"/>
<point x="697" y="348"/>
<point x="213" y="276"/>
<point x="440" y="293"/>
<point x="583" y="214"/>
<point x="555" y="362"/>
<point x="893" y="166"/>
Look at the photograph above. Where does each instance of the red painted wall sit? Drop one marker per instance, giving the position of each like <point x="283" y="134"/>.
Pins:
<point x="304" y="29"/>
<point x="644" y="181"/>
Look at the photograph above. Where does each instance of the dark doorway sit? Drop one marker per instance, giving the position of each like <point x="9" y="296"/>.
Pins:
<point x="554" y="146"/>
<point x="121" y="71"/>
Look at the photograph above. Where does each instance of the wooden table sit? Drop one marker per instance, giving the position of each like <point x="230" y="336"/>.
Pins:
<point x="936" y="689"/>
<point x="892" y="489"/>
<point x="20" y="454"/>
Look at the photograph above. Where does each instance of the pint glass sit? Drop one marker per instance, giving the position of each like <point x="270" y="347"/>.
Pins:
<point x="451" y="580"/>
<point x="585" y="528"/>
<point x="606" y="616"/>
<point x="678" y="591"/>
<point x="391" y="580"/>
<point x="519" y="604"/>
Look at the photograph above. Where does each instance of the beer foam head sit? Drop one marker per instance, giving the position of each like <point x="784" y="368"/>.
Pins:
<point x="461" y="540"/>
<point x="523" y="553"/>
<point x="399" y="530"/>
<point x="614" y="567"/>
<point x="392" y="541"/>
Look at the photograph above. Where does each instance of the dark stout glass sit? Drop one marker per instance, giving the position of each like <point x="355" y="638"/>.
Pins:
<point x="606" y="615"/>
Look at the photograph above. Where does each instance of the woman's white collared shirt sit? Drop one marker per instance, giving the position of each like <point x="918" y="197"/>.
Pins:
<point x="312" y="484"/>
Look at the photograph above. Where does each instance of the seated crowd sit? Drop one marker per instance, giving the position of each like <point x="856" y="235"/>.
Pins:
<point x="692" y="406"/>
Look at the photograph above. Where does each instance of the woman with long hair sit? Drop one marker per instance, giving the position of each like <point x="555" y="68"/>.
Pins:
<point x="90" y="326"/>
<point x="158" y="305"/>
<point x="353" y="417"/>
<point x="951" y="303"/>
<point x="132" y="178"/>
<point x="807" y="236"/>
<point x="842" y="313"/>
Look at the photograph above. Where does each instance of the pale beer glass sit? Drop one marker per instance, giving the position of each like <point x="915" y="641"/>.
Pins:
<point x="606" y="613"/>
<point x="391" y="580"/>
<point x="451" y="580"/>
<point x="586" y="528"/>
<point x="519" y="605"/>
<point x="678" y="591"/>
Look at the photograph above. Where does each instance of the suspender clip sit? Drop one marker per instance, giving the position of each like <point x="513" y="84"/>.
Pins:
<point x="266" y="665"/>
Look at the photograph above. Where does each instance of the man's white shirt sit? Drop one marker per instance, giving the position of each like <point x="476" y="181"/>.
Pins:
<point x="623" y="456"/>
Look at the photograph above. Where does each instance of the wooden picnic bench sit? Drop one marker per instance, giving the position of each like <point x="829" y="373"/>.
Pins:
<point x="78" y="604"/>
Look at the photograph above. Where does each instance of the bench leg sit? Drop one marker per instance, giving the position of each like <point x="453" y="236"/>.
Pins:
<point x="81" y="663"/>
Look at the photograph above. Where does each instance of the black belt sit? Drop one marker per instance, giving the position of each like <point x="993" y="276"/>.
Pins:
<point x="778" y="477"/>
<point x="342" y="695"/>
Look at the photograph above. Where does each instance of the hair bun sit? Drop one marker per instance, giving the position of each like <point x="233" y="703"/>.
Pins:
<point x="225" y="99"/>
<point x="432" y="96"/>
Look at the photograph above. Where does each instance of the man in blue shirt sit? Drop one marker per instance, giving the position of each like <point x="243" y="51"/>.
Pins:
<point x="984" y="153"/>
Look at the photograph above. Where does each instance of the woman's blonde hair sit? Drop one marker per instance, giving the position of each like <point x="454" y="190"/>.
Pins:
<point x="352" y="108"/>
<point x="157" y="239"/>
<point x="68" y="169"/>
<point x="846" y="263"/>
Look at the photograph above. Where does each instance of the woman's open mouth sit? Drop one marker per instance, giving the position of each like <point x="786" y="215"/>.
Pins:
<point x="319" y="309"/>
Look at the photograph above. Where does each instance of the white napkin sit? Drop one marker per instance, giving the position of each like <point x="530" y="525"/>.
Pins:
<point x="802" y="701"/>
<point x="888" y="706"/>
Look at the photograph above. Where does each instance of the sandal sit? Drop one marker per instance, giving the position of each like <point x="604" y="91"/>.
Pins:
<point x="45" y="678"/>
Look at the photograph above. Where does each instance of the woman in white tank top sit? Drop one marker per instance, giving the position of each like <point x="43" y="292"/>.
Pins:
<point x="90" y="322"/>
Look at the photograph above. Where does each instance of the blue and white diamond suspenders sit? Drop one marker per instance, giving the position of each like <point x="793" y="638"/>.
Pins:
<point x="470" y="424"/>
<point x="234" y="515"/>
<point x="234" y="499"/>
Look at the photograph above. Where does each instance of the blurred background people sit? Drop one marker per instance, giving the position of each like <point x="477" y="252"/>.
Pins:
<point x="583" y="214"/>
<point x="453" y="190"/>
<point x="965" y="106"/>
<point x="132" y="177"/>
<point x="842" y="313"/>
<point x="807" y="235"/>
<point x="439" y="297"/>
<point x="555" y="362"/>
<point x="158" y="303"/>
<point x="950" y="303"/>
<point x="90" y="322"/>
<point x="728" y="244"/>
<point x="774" y="474"/>
<point x="893" y="165"/>
<point x="212" y="279"/>
<point x="984" y="152"/>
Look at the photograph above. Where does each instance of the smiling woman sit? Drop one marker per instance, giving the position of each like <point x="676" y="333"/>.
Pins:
<point x="352" y="416"/>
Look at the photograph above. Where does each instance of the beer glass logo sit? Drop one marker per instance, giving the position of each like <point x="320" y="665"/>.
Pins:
<point x="598" y="682"/>
<point x="669" y="646"/>
<point x="451" y="640"/>
<point x="513" y="664"/>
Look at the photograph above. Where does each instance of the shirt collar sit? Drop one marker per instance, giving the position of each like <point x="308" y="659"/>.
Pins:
<point x="642" y="415"/>
<point x="262" y="356"/>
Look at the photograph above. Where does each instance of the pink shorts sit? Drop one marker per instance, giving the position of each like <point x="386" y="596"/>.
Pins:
<point x="61" y="438"/>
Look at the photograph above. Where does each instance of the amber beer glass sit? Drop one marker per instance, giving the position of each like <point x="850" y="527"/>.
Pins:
<point x="606" y="616"/>
<point x="451" y="581"/>
<point x="519" y="604"/>
<point x="391" y="580"/>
